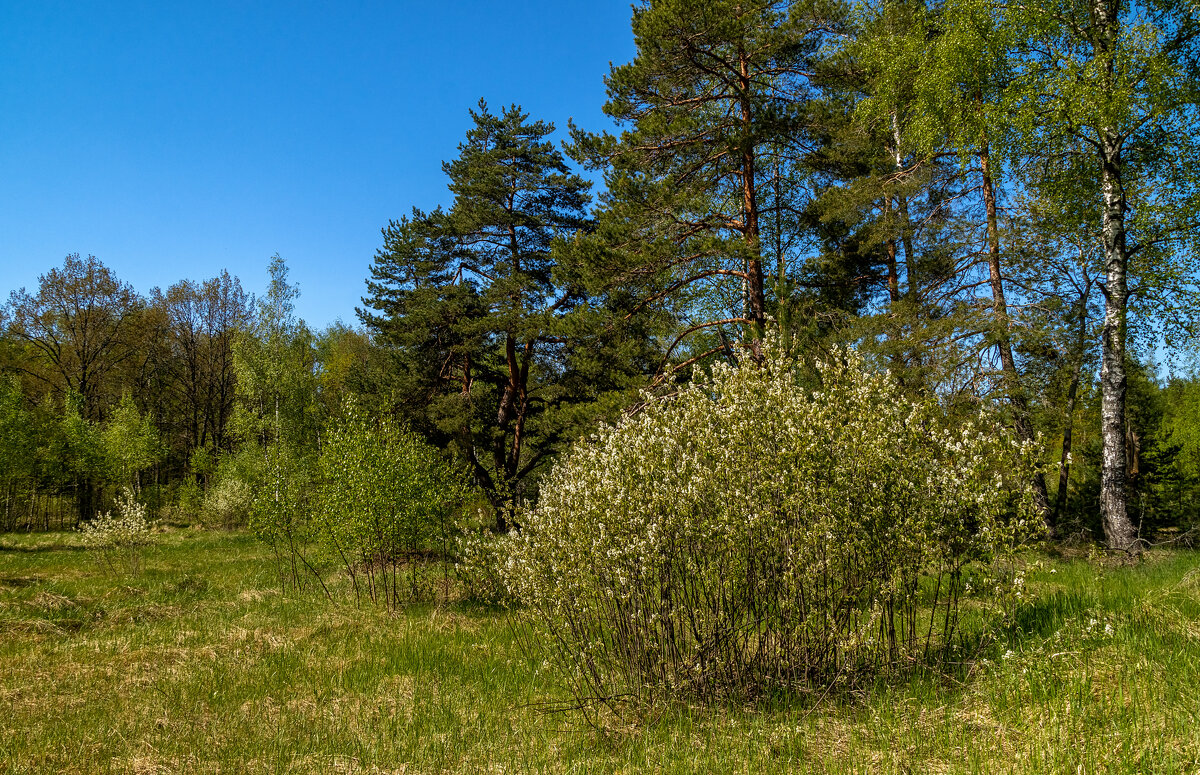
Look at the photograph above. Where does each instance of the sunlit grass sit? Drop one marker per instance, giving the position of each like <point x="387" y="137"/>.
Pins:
<point x="200" y="664"/>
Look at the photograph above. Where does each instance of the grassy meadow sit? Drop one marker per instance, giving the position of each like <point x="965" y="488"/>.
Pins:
<point x="197" y="663"/>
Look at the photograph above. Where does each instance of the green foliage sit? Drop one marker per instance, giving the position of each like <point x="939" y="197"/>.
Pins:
<point x="194" y="325"/>
<point x="183" y="504"/>
<point x="16" y="441"/>
<point x="228" y="503"/>
<point x="744" y="537"/>
<point x="77" y="330"/>
<point x="1106" y="104"/>
<point x="131" y="443"/>
<point x="86" y="339"/>
<point x="1161" y="461"/>
<point x="275" y="366"/>
<point x="278" y="421"/>
<point x="203" y="462"/>
<point x="81" y="455"/>
<point x="494" y="351"/>
<point x="17" y="448"/>
<point x="349" y="364"/>
<point x="480" y="555"/>
<point x="280" y="509"/>
<point x="385" y="503"/>
<point x="85" y="444"/>
<point x="1182" y="420"/>
<point x="711" y="108"/>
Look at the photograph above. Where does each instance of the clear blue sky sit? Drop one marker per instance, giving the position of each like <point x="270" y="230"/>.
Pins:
<point x="174" y="140"/>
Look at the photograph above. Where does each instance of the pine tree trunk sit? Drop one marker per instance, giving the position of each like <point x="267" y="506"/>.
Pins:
<point x="889" y="260"/>
<point x="1012" y="381"/>
<point x="1064" y="465"/>
<point x="906" y="227"/>
<point x="755" y="292"/>
<point x="913" y="360"/>
<point x="1119" y="531"/>
<point x="893" y="273"/>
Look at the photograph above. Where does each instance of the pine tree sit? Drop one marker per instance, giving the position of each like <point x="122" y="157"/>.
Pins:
<point x="473" y="302"/>
<point x="710" y="106"/>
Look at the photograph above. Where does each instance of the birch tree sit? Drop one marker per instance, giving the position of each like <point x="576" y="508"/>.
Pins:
<point x="1119" y="79"/>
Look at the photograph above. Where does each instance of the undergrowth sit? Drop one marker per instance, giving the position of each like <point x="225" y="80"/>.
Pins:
<point x="200" y="665"/>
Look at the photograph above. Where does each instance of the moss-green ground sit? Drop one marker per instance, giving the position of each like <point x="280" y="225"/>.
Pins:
<point x="197" y="664"/>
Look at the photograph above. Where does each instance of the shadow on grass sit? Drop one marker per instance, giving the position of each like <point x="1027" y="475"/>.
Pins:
<point x="17" y="582"/>
<point x="1050" y="612"/>
<point x="42" y="548"/>
<point x="942" y="676"/>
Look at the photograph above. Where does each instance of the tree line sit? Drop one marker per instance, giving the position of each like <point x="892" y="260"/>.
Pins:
<point x="103" y="387"/>
<point x="996" y="203"/>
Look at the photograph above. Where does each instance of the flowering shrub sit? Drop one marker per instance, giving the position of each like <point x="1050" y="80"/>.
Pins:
<point x="228" y="503"/>
<point x="480" y="555"/>
<point x="745" y="536"/>
<point x="119" y="539"/>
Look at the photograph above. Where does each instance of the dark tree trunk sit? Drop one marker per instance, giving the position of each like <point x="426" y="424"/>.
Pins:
<point x="756" y="296"/>
<point x="1013" y="389"/>
<point x="1064" y="470"/>
<point x="1064" y="466"/>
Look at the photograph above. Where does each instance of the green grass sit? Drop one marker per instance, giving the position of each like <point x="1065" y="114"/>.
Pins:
<point x="199" y="665"/>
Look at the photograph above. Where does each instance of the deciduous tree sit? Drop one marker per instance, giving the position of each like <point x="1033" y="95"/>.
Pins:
<point x="77" y="328"/>
<point x="1119" y="80"/>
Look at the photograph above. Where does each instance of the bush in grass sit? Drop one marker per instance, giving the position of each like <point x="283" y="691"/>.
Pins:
<point x="227" y="503"/>
<point x="385" y="505"/>
<point x="480" y="555"/>
<point x="119" y="540"/>
<point x="745" y="536"/>
<point x="183" y="503"/>
<point x="280" y="509"/>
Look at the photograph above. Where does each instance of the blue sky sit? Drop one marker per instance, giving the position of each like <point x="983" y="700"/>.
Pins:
<point x="173" y="140"/>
